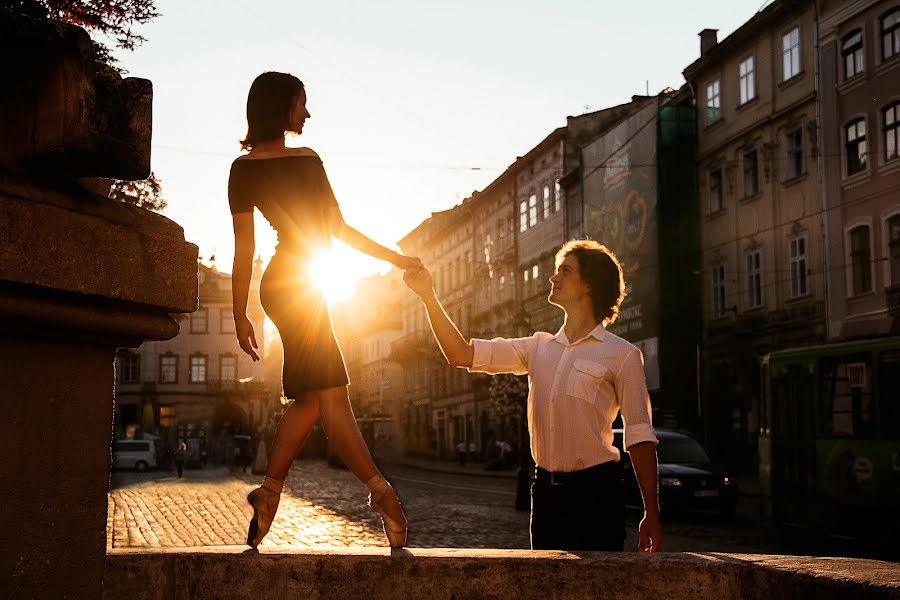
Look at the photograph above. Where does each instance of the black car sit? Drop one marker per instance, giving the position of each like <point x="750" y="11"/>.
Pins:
<point x="688" y="480"/>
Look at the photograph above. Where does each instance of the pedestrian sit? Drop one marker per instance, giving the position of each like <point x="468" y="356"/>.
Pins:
<point x="461" y="449"/>
<point x="290" y="188"/>
<point x="580" y="379"/>
<point x="180" y="455"/>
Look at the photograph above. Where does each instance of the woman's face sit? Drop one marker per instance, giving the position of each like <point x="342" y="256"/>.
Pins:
<point x="299" y="114"/>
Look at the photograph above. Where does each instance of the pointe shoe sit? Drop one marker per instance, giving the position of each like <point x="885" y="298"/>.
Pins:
<point x="379" y="490"/>
<point x="264" y="501"/>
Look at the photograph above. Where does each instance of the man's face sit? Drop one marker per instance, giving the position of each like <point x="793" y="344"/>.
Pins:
<point x="567" y="286"/>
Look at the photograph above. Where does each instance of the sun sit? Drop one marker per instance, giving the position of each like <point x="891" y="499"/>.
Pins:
<point x="332" y="276"/>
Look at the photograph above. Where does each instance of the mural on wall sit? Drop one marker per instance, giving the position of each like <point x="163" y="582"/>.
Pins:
<point x="620" y="212"/>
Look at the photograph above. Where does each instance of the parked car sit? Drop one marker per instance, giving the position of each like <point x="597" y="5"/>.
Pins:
<point x="134" y="454"/>
<point x="688" y="479"/>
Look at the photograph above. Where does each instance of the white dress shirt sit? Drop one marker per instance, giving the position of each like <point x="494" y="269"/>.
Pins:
<point x="575" y="390"/>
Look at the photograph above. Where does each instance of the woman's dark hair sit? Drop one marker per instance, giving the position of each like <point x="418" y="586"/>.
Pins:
<point x="269" y="104"/>
<point x="601" y="270"/>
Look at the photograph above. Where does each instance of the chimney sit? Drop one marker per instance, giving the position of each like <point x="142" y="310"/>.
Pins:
<point x="708" y="40"/>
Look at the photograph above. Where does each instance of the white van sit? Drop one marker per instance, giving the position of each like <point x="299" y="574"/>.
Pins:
<point x="133" y="454"/>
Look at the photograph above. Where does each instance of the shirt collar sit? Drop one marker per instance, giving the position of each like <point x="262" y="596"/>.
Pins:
<point x="598" y="333"/>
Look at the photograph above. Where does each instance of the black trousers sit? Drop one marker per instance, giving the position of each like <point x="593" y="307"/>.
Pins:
<point x="581" y="510"/>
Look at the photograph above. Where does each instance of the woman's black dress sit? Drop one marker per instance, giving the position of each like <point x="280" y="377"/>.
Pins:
<point x="294" y="194"/>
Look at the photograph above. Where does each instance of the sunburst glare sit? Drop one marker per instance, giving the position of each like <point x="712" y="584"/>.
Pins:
<point x="332" y="276"/>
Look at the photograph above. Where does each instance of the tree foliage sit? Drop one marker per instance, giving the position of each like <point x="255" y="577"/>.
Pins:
<point x="143" y="194"/>
<point x="509" y="395"/>
<point x="114" y="18"/>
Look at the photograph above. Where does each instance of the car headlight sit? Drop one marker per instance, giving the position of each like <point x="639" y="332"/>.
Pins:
<point x="728" y="481"/>
<point x="670" y="482"/>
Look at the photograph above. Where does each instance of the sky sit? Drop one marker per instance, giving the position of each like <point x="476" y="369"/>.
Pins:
<point x="415" y="104"/>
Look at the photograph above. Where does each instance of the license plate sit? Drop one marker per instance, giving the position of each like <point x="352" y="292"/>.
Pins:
<point x="706" y="493"/>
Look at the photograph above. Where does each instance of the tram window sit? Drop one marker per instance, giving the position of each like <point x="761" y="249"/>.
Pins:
<point x="847" y="409"/>
<point x="888" y="401"/>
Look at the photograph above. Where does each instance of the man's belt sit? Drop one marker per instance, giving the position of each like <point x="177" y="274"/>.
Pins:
<point x="581" y="477"/>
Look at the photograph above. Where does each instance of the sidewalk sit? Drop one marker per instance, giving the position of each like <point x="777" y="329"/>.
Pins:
<point x="453" y="468"/>
<point x="748" y="484"/>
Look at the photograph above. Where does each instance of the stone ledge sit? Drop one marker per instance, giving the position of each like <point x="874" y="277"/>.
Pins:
<point x="237" y="572"/>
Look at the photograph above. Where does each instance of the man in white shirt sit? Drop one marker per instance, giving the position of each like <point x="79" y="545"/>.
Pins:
<point x="579" y="380"/>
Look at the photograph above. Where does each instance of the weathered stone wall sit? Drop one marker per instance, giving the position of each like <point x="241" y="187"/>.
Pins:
<point x="488" y="574"/>
<point x="80" y="276"/>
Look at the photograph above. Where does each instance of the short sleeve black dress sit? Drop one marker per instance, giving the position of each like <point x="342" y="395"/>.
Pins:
<point x="294" y="195"/>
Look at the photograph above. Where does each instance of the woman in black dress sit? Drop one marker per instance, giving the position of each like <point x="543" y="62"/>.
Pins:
<point x="290" y="188"/>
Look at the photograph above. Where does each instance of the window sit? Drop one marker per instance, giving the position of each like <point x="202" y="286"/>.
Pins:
<point x="893" y="226"/>
<point x="129" y="367"/>
<point x="751" y="173"/>
<point x="891" y="131"/>
<point x="748" y="80"/>
<point x="227" y="368"/>
<point x="798" y="267"/>
<point x="856" y="146"/>
<point x="793" y="154"/>
<point x="226" y="321"/>
<point x="198" y="369"/>
<point x="852" y="52"/>
<point x="890" y="34"/>
<point x="557" y="196"/>
<point x="754" y="279"/>
<point x="532" y="210"/>
<point x="860" y="260"/>
<point x="713" y="102"/>
<point x="790" y="53"/>
<point x="523" y="216"/>
<point x="715" y="191"/>
<point x="199" y="321"/>
<point x="168" y="368"/>
<point x="546" y="201"/>
<point x="535" y="272"/>
<point x="166" y="416"/>
<point x="718" y="291"/>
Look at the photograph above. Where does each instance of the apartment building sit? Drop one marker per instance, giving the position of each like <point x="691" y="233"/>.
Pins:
<point x="199" y="384"/>
<point x="762" y="259"/>
<point x="859" y="50"/>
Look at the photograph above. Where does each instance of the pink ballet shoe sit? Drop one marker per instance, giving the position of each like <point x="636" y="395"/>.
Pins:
<point x="380" y="490"/>
<point x="264" y="501"/>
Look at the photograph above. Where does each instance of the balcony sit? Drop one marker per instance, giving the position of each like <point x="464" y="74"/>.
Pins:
<point x="892" y="299"/>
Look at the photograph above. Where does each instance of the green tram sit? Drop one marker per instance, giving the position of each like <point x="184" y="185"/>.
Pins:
<point x="829" y="441"/>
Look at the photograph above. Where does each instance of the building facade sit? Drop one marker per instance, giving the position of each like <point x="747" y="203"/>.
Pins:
<point x="762" y="260"/>
<point x="859" y="51"/>
<point x="199" y="386"/>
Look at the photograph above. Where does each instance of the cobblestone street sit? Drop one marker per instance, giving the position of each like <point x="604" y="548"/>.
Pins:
<point x="326" y="507"/>
<point x="321" y="506"/>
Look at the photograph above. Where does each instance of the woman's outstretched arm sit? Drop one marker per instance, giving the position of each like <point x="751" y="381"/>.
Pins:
<point x="359" y="241"/>
<point x="241" y="271"/>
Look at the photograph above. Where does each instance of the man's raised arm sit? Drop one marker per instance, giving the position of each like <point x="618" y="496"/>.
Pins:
<point x="457" y="351"/>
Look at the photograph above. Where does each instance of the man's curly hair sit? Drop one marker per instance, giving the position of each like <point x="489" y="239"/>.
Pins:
<point x="601" y="270"/>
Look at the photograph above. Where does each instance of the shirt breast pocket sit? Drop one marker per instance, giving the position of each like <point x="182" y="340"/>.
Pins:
<point x="585" y="379"/>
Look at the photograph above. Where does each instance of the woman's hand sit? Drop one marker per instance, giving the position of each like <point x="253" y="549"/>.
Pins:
<point x="245" y="336"/>
<point x="419" y="280"/>
<point x="407" y="262"/>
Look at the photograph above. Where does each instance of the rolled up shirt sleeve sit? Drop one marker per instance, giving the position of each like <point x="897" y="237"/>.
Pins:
<point x="501" y="355"/>
<point x="634" y="401"/>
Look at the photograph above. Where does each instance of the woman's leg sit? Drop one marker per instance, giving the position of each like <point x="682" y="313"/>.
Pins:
<point x="292" y="432"/>
<point x="343" y="432"/>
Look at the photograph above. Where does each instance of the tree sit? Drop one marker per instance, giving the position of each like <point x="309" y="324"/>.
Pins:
<point x="114" y="18"/>
<point x="143" y="194"/>
<point x="508" y="394"/>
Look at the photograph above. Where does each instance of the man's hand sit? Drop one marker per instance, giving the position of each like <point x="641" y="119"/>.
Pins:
<point x="650" y="534"/>
<point x="245" y="336"/>
<point x="419" y="280"/>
